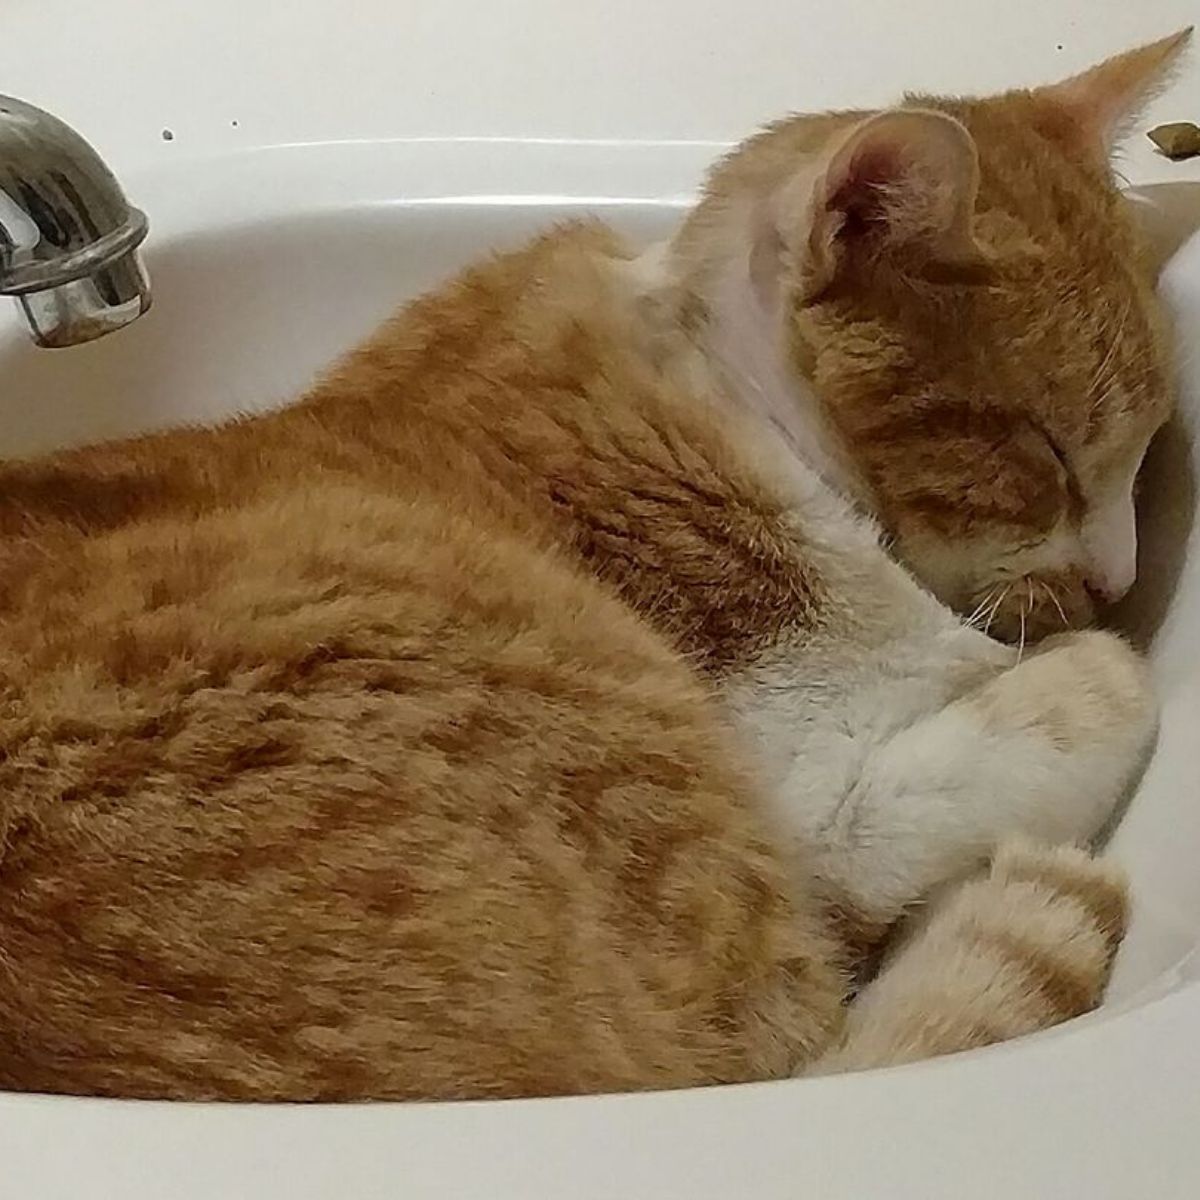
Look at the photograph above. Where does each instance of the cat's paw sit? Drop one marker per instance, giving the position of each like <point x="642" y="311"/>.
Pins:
<point x="1020" y="948"/>
<point x="1082" y="692"/>
<point x="1085" y="699"/>
<point x="1106" y="687"/>
<point x="1097" y="886"/>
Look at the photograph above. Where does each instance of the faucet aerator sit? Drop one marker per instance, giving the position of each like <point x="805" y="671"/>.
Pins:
<point x="68" y="237"/>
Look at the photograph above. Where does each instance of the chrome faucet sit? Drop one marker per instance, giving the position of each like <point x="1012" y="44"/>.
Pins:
<point x="68" y="237"/>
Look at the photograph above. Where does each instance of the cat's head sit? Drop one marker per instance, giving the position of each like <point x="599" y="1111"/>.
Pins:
<point x="960" y="283"/>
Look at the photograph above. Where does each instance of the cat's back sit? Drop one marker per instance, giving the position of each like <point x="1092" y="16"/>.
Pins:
<point x="323" y="776"/>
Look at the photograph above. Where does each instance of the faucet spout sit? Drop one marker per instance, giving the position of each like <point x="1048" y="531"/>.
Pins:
<point x="68" y="237"/>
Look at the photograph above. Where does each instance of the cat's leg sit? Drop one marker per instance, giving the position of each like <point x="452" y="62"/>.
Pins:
<point x="1044" y="749"/>
<point x="1024" y="946"/>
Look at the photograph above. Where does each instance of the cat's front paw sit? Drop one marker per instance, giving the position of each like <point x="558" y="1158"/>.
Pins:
<point x="1110" y="697"/>
<point x="1086" y="698"/>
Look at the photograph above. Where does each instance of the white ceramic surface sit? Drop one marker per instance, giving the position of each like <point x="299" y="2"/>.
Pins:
<point x="373" y="151"/>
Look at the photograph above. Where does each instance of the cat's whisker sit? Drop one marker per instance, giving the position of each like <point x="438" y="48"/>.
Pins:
<point x="1103" y="397"/>
<point x="996" y="607"/>
<point x="1132" y="371"/>
<point x="976" y="616"/>
<point x="977" y="622"/>
<point x="1114" y="343"/>
<point x="1144" y="359"/>
<point x="1000" y="602"/>
<point x="1056" y="602"/>
<point x="987" y="618"/>
<point x="1024" y="611"/>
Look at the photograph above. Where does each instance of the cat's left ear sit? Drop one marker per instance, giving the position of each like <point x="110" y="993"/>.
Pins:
<point x="899" y="187"/>
<point x="1107" y="99"/>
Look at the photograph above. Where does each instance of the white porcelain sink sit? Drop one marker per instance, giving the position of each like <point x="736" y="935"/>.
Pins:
<point x="271" y="251"/>
<point x="323" y="243"/>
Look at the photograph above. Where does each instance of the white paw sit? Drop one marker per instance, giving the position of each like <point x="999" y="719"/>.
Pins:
<point x="1083" y="710"/>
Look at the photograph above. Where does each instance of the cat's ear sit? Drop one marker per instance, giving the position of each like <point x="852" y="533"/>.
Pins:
<point x="1107" y="99"/>
<point x="901" y="180"/>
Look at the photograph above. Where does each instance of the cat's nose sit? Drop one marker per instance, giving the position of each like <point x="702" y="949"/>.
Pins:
<point x="1110" y="585"/>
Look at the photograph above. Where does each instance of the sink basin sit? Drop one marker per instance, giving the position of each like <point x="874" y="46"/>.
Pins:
<point x="270" y="253"/>
<point x="246" y="311"/>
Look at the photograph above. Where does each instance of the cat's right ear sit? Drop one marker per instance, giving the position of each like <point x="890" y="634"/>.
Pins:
<point x="899" y="184"/>
<point x="1106" y="100"/>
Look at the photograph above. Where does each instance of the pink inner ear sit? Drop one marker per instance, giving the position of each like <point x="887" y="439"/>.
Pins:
<point x="861" y="195"/>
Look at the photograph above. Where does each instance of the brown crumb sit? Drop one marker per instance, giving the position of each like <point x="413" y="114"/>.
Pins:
<point x="1178" y="140"/>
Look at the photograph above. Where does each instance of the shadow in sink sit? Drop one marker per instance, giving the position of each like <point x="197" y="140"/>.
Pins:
<point x="1169" y="214"/>
<point x="1166" y="512"/>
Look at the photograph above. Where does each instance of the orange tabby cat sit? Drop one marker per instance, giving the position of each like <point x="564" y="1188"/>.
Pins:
<point x="533" y="708"/>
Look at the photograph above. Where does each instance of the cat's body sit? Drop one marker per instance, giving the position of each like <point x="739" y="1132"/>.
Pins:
<point x="526" y="712"/>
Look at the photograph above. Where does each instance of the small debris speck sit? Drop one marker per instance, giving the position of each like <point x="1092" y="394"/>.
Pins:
<point x="168" y="135"/>
<point x="1059" y="46"/>
<point x="234" y="124"/>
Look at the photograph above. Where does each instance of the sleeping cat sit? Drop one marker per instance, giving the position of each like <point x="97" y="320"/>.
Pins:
<point x="552" y="700"/>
